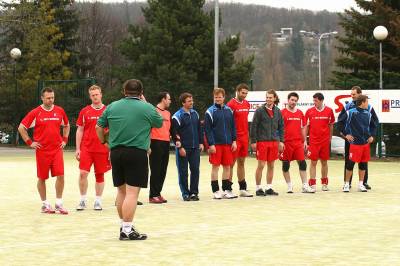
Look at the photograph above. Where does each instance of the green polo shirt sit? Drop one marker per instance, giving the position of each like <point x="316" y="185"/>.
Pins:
<point x="130" y="121"/>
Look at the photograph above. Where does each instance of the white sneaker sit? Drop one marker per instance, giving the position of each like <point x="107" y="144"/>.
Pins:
<point x="218" y="195"/>
<point x="82" y="205"/>
<point x="290" y="189"/>
<point x="346" y="188"/>
<point x="228" y="194"/>
<point x="362" y="188"/>
<point x="314" y="187"/>
<point x="97" y="206"/>
<point x="325" y="187"/>
<point x="245" y="193"/>
<point x="307" y="189"/>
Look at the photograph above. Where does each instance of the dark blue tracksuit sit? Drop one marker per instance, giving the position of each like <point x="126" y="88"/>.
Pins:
<point x="358" y="122"/>
<point x="219" y="125"/>
<point x="341" y="126"/>
<point x="186" y="128"/>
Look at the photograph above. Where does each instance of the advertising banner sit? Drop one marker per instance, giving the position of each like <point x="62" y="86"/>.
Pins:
<point x="385" y="102"/>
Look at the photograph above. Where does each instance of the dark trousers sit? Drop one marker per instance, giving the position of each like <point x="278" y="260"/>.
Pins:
<point x="346" y="159"/>
<point x="159" y="158"/>
<point x="193" y="160"/>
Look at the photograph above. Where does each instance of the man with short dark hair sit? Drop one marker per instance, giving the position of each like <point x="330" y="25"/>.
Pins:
<point x="320" y="120"/>
<point x="46" y="120"/>
<point x="241" y="109"/>
<point x="295" y="142"/>
<point x="358" y="125"/>
<point x="159" y="156"/>
<point x="129" y="121"/>
<point x="188" y="138"/>
<point x="355" y="92"/>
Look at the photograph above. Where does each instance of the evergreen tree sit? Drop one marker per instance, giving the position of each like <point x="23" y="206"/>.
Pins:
<point x="359" y="51"/>
<point x="66" y="17"/>
<point x="31" y="27"/>
<point x="174" y="50"/>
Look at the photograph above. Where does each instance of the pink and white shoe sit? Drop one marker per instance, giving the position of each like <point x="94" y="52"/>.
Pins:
<point x="46" y="208"/>
<point x="60" y="209"/>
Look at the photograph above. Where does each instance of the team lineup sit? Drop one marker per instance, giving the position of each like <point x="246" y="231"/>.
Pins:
<point x="130" y="134"/>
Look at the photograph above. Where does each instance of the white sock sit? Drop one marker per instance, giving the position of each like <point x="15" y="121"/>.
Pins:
<point x="45" y="202"/>
<point x="121" y="222"/>
<point x="305" y="184"/>
<point x="347" y="183"/>
<point x="98" y="198"/>
<point x="360" y="183"/>
<point x="269" y="186"/>
<point x="258" y="187"/>
<point x="126" y="227"/>
<point x="289" y="184"/>
<point x="83" y="197"/>
<point x="59" y="202"/>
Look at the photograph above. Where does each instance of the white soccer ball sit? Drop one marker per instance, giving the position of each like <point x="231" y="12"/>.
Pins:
<point x="15" y="53"/>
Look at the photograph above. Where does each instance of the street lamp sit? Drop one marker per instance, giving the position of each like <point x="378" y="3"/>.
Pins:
<point x="380" y="33"/>
<point x="319" y="54"/>
<point x="15" y="53"/>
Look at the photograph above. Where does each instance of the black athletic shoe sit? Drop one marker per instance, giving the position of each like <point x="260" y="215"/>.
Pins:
<point x="133" y="235"/>
<point x="271" y="192"/>
<point x="367" y="186"/>
<point x="260" y="192"/>
<point x="186" y="198"/>
<point x="194" y="197"/>
<point x="139" y="203"/>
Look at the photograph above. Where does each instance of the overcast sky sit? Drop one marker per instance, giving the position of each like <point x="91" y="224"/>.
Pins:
<point x="330" y="5"/>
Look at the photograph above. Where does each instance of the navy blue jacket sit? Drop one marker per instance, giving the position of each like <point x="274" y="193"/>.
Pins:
<point x="186" y="128"/>
<point x="358" y="122"/>
<point x="219" y="125"/>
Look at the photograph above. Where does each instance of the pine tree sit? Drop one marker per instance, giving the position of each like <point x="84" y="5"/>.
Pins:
<point x="174" y="50"/>
<point x="359" y="51"/>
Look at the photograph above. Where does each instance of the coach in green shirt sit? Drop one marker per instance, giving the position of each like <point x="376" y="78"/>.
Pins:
<point x="129" y="121"/>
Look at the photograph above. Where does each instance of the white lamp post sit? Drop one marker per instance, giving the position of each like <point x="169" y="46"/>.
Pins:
<point x="380" y="33"/>
<point x="15" y="53"/>
<point x="319" y="54"/>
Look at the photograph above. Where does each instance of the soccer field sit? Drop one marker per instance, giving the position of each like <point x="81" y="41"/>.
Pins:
<point x="292" y="229"/>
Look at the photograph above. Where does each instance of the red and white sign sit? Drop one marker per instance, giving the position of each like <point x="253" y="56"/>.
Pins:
<point x="385" y="102"/>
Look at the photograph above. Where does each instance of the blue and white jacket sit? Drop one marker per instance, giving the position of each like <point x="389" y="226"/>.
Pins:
<point x="186" y="128"/>
<point x="358" y="122"/>
<point x="219" y="125"/>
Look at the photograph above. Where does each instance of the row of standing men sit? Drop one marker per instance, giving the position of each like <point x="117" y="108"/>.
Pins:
<point x="273" y="134"/>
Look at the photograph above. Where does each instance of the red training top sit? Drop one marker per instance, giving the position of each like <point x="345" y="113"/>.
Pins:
<point x="294" y="121"/>
<point x="46" y="125"/>
<point x="319" y="121"/>
<point x="87" y="119"/>
<point x="240" y="114"/>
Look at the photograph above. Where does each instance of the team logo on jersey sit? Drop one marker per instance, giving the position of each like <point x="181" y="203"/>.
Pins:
<point x="386" y="106"/>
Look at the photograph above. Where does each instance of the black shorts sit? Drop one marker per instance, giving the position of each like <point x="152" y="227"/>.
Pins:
<point x="129" y="166"/>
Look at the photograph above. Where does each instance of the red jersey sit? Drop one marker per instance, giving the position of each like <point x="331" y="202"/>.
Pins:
<point x="240" y="113"/>
<point x="319" y="121"/>
<point x="87" y="119"/>
<point x="294" y="121"/>
<point x="162" y="133"/>
<point x="46" y="126"/>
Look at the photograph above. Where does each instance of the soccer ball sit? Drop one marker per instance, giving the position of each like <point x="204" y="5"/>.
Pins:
<point x="15" y="53"/>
